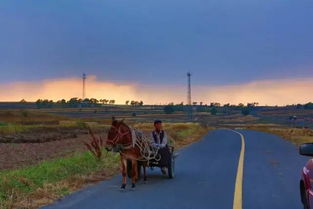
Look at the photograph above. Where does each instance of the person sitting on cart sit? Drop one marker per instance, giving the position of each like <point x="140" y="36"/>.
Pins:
<point x="159" y="139"/>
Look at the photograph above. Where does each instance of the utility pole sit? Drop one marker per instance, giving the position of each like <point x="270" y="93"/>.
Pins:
<point x="189" y="96"/>
<point x="84" y="85"/>
<point x="189" y="88"/>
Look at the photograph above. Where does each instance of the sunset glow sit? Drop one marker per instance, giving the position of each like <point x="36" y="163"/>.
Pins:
<point x="266" y="92"/>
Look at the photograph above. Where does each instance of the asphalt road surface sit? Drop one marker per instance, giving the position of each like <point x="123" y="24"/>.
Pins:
<point x="208" y="176"/>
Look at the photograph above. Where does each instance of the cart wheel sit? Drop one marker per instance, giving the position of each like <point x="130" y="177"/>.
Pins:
<point x="171" y="168"/>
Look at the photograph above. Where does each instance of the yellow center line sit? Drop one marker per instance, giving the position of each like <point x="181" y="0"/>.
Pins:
<point x="237" y="204"/>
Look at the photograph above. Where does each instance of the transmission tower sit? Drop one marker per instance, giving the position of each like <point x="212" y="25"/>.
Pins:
<point x="84" y="85"/>
<point x="189" y="110"/>
<point x="189" y="88"/>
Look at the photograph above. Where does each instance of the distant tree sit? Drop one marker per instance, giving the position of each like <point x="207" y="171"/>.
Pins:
<point x="201" y="103"/>
<point x="308" y="106"/>
<point x="299" y="106"/>
<point x="251" y="104"/>
<point x="127" y="102"/>
<point x="23" y="101"/>
<point x="201" y="108"/>
<point x="46" y="103"/>
<point x="74" y="102"/>
<point x="93" y="101"/>
<point x="112" y="101"/>
<point x="63" y="101"/>
<point x="179" y="107"/>
<point x="195" y="103"/>
<point x="38" y="103"/>
<point x="215" y="104"/>
<point x="241" y="105"/>
<point x="169" y="109"/>
<point x="136" y="103"/>
<point x="85" y="101"/>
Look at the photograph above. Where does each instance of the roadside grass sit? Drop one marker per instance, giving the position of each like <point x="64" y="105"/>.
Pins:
<point x="295" y="135"/>
<point x="51" y="180"/>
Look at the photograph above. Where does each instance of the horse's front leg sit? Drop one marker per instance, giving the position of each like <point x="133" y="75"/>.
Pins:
<point x="134" y="172"/>
<point x="124" y="171"/>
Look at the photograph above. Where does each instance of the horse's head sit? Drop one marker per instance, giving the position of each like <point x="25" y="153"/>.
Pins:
<point x="119" y="136"/>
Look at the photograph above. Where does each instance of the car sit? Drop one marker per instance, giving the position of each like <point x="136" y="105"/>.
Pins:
<point x="306" y="181"/>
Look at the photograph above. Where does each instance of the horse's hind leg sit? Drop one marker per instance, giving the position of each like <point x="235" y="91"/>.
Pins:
<point x="134" y="173"/>
<point x="124" y="170"/>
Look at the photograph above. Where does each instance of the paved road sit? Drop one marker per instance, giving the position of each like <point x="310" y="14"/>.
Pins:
<point x="206" y="177"/>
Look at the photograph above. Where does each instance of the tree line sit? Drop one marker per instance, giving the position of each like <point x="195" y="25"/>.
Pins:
<point x="78" y="102"/>
<point x="214" y="108"/>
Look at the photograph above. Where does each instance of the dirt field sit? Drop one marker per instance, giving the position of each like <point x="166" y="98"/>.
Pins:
<point x="28" y="137"/>
<point x="14" y="155"/>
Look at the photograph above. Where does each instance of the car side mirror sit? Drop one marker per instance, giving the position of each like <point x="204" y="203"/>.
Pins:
<point x="306" y="149"/>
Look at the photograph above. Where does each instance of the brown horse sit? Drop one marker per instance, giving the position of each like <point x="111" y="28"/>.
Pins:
<point x="120" y="140"/>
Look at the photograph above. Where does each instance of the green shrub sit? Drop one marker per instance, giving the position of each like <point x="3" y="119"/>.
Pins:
<point x="3" y="123"/>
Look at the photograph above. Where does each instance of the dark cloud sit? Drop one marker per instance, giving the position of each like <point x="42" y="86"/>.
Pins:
<point x="148" y="41"/>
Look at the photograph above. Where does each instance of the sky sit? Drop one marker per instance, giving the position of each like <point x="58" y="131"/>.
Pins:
<point x="237" y="51"/>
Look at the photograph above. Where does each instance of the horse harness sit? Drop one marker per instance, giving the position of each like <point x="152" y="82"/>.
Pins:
<point x="147" y="151"/>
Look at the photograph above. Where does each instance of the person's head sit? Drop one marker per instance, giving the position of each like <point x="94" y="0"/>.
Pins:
<point x="158" y="125"/>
